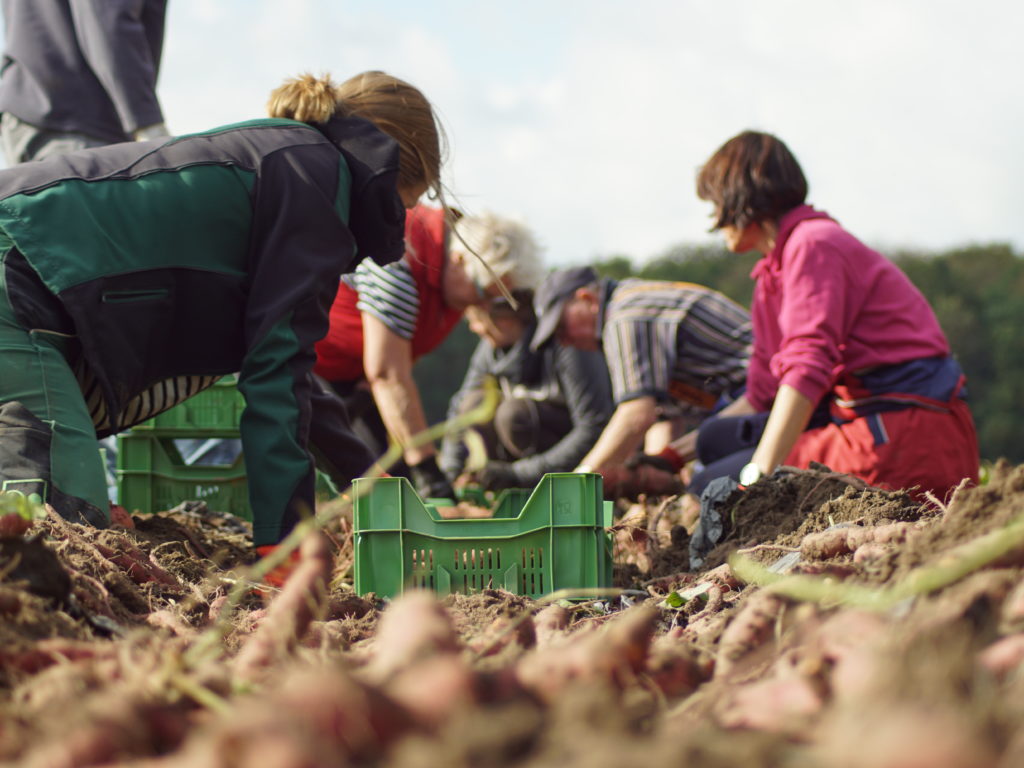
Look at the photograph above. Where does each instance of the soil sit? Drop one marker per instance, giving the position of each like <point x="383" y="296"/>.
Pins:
<point x="111" y="650"/>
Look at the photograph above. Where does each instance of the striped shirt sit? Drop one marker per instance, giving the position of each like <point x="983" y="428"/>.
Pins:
<point x="673" y="341"/>
<point x="388" y="293"/>
<point x="160" y="397"/>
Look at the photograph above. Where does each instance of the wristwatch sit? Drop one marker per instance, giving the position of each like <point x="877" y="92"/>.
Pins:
<point x="750" y="474"/>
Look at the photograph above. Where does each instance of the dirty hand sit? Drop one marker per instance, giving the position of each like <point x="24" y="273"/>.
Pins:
<point x="630" y="482"/>
<point x="667" y="460"/>
<point x="429" y="481"/>
<point x="498" y="475"/>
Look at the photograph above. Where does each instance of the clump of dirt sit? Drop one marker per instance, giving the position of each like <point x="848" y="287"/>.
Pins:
<point x="774" y="509"/>
<point x="972" y="512"/>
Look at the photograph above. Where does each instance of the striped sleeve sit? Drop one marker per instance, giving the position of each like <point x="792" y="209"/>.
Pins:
<point x="640" y="357"/>
<point x="388" y="293"/>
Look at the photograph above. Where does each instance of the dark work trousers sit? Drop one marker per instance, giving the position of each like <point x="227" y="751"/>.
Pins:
<point x="724" y="445"/>
<point x="521" y="426"/>
<point x="366" y="421"/>
<point x="47" y="440"/>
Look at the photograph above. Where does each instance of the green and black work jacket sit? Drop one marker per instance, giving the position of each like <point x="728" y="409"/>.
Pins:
<point x="212" y="253"/>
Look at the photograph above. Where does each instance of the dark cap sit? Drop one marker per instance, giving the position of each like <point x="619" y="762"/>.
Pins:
<point x="550" y="298"/>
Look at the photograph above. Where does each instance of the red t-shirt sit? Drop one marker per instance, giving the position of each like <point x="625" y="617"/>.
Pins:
<point x="340" y="352"/>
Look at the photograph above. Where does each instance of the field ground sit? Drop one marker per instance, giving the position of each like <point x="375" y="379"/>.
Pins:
<point x="857" y="628"/>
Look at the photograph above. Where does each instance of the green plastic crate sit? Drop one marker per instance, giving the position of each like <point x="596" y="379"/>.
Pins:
<point x="551" y="539"/>
<point x="214" y="412"/>
<point x="151" y="477"/>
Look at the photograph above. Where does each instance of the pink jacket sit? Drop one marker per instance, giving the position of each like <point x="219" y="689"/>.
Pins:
<point x="825" y="304"/>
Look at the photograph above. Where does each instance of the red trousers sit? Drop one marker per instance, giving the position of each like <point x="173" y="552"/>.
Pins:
<point x="915" y="449"/>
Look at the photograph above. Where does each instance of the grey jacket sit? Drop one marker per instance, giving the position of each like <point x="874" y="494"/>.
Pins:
<point x="84" y="66"/>
<point x="567" y="376"/>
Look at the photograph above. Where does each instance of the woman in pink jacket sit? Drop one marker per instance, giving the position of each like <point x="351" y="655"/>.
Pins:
<point x="840" y="334"/>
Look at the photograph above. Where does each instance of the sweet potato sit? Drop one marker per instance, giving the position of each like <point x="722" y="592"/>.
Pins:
<point x="12" y="524"/>
<point x="1013" y="606"/>
<point x="677" y="669"/>
<point x="549" y="624"/>
<point x="415" y="626"/>
<point x="615" y="654"/>
<point x="840" y="541"/>
<point x="433" y="689"/>
<point x="1003" y="656"/>
<point x="848" y="642"/>
<point x="302" y="600"/>
<point x="902" y="736"/>
<point x="319" y="716"/>
<point x="777" y="705"/>
<point x="137" y="565"/>
<point x="748" y="630"/>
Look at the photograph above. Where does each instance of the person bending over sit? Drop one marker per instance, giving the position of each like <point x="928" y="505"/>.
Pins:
<point x="386" y="317"/>
<point x="554" y="400"/>
<point x="135" y="275"/>
<point x="664" y="342"/>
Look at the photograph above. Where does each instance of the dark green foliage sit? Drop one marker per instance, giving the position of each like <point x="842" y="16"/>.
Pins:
<point x="977" y="292"/>
<point x="439" y="374"/>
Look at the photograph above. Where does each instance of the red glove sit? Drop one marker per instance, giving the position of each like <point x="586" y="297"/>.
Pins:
<point x="278" y="575"/>
<point x="666" y="461"/>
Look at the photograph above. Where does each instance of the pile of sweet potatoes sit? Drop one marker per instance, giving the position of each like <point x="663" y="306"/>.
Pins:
<point x="877" y="642"/>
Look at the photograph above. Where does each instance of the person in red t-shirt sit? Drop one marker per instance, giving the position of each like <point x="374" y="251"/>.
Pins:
<point x="385" y="318"/>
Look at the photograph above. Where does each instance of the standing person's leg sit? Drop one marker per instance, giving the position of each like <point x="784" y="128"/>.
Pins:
<point x="47" y="440"/>
<point x="23" y="142"/>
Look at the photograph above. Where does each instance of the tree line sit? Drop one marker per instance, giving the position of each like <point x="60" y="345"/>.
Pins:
<point x="977" y="292"/>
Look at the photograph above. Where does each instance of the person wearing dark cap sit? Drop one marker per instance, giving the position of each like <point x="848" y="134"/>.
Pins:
<point x="666" y="344"/>
<point x="79" y="74"/>
<point x="554" y="400"/>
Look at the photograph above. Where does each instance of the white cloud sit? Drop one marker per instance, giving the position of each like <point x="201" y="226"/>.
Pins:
<point x="589" y="118"/>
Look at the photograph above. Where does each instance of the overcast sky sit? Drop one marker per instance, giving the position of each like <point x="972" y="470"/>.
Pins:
<point x="589" y="118"/>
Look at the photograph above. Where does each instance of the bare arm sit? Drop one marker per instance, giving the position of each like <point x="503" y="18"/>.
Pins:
<point x="387" y="359"/>
<point x="788" y="418"/>
<point x="624" y="433"/>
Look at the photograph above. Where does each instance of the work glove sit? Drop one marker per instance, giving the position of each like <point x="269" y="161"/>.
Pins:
<point x="666" y="461"/>
<point x="429" y="481"/>
<point x="720" y="495"/>
<point x="498" y="475"/>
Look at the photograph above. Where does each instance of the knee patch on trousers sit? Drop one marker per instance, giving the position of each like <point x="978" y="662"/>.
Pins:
<point x="25" y="464"/>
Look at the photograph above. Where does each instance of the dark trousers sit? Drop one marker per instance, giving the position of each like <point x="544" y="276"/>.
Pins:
<point x="724" y="445"/>
<point x="521" y="427"/>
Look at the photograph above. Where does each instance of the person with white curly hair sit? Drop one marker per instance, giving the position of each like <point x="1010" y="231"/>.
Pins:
<point x="385" y="318"/>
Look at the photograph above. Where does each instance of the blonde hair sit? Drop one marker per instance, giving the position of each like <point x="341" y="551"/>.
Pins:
<point x="503" y="246"/>
<point x="394" y="106"/>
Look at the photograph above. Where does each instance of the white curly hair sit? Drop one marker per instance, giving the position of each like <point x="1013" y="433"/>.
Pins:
<point x="506" y="245"/>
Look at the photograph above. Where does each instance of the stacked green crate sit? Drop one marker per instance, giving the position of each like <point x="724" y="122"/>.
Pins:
<point x="152" y="475"/>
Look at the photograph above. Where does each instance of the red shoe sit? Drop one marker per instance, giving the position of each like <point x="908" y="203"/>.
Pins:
<point x="279" y="574"/>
